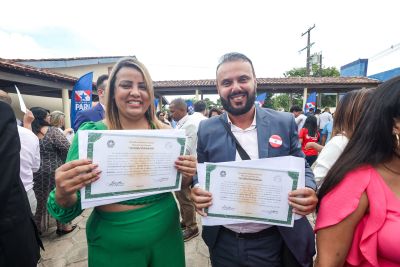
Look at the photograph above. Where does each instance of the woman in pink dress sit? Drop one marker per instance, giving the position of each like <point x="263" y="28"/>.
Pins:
<point x="358" y="222"/>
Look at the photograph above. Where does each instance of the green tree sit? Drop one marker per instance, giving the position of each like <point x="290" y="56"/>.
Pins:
<point x="326" y="100"/>
<point x="268" y="103"/>
<point x="316" y="72"/>
<point x="282" y="101"/>
<point x="209" y="103"/>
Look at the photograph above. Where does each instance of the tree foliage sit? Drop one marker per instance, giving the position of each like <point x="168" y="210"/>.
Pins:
<point x="316" y="72"/>
<point x="268" y="103"/>
<point x="209" y="103"/>
<point x="282" y="101"/>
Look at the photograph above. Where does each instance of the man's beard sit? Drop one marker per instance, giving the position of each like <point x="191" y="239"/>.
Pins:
<point x="238" y="111"/>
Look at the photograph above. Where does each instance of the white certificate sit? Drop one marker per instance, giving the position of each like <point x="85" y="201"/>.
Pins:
<point x="249" y="194"/>
<point x="21" y="100"/>
<point x="133" y="163"/>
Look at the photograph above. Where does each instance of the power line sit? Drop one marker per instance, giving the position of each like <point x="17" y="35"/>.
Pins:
<point x="385" y="52"/>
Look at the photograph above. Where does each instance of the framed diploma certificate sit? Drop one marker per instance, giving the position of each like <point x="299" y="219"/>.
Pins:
<point x="250" y="194"/>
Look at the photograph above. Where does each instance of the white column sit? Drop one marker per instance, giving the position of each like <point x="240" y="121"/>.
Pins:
<point x="304" y="98"/>
<point x="197" y="95"/>
<point x="66" y="107"/>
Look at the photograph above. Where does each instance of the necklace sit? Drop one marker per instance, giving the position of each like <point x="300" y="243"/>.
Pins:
<point x="389" y="169"/>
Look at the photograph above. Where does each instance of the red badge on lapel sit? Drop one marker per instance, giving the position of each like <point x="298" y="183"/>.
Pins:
<point x="275" y="141"/>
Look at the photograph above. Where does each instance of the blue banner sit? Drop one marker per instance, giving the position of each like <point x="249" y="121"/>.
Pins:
<point x="260" y="99"/>
<point x="81" y="97"/>
<point x="311" y="102"/>
<point x="190" y="108"/>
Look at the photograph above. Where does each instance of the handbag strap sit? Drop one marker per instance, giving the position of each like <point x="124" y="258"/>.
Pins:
<point x="243" y="154"/>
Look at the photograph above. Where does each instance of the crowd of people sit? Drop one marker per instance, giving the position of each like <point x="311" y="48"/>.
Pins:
<point x="351" y="162"/>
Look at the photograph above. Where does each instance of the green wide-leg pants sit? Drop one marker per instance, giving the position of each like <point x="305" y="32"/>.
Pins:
<point x="145" y="237"/>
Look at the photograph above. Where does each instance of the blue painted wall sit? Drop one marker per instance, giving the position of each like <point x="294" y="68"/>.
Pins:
<point x="355" y="68"/>
<point x="386" y="75"/>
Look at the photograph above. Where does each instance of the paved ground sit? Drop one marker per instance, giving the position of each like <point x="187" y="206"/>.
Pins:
<point x="71" y="249"/>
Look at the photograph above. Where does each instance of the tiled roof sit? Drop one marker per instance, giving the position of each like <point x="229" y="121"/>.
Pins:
<point x="10" y="65"/>
<point x="265" y="83"/>
<point x="275" y="81"/>
<point x="63" y="59"/>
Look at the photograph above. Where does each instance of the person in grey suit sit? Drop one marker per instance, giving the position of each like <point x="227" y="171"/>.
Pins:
<point x="95" y="113"/>
<point x="262" y="133"/>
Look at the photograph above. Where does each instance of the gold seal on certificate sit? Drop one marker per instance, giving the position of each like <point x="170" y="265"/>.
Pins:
<point x="250" y="194"/>
<point x="133" y="163"/>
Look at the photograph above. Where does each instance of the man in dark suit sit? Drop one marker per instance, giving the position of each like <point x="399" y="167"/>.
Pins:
<point x="19" y="239"/>
<point x="95" y="113"/>
<point x="262" y="133"/>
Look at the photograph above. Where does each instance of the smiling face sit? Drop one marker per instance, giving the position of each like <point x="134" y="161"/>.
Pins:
<point x="131" y="95"/>
<point x="236" y="84"/>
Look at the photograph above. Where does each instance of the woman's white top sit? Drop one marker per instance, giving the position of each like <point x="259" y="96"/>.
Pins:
<point x="328" y="156"/>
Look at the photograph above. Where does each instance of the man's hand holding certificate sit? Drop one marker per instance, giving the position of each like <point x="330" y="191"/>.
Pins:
<point x="133" y="163"/>
<point x="251" y="191"/>
<point x="252" y="194"/>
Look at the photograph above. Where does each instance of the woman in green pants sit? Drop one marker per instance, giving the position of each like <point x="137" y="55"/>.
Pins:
<point x="142" y="232"/>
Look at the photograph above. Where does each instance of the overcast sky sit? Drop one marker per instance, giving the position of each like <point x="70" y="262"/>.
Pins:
<point x="181" y="40"/>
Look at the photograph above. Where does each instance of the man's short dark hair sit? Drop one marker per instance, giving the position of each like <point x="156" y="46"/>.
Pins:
<point x="295" y="109"/>
<point x="200" y="106"/>
<point x="100" y="81"/>
<point x="235" y="56"/>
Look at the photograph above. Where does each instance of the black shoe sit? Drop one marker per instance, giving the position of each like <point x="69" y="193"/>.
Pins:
<point x="61" y="232"/>
<point x="189" y="234"/>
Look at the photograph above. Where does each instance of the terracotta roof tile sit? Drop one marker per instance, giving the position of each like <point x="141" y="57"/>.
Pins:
<point x="61" y="59"/>
<point x="274" y="81"/>
<point x="9" y="64"/>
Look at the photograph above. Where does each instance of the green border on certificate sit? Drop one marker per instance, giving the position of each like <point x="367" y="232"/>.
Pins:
<point x="93" y="137"/>
<point x="292" y="174"/>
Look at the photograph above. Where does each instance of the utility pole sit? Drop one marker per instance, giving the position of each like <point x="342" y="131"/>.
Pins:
<point x="320" y="64"/>
<point x="308" y="65"/>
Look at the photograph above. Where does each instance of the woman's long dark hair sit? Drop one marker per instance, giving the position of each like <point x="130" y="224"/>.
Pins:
<point x="40" y="115"/>
<point x="349" y="111"/>
<point x="311" y="125"/>
<point x="372" y="141"/>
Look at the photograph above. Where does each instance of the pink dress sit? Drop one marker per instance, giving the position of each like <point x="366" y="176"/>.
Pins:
<point x="376" y="240"/>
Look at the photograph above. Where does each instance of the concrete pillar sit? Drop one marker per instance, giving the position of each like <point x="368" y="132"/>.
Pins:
<point x="160" y="103"/>
<point x="337" y="99"/>
<point x="197" y="95"/>
<point x="66" y="107"/>
<point x="319" y="100"/>
<point x="304" y="98"/>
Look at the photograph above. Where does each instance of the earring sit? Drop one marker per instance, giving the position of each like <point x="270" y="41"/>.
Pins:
<point x="398" y="140"/>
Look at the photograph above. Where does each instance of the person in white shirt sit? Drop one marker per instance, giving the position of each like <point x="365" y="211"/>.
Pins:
<point x="30" y="162"/>
<point x="190" y="123"/>
<point x="324" y="118"/>
<point x="347" y="115"/>
<point x="29" y="153"/>
<point x="300" y="118"/>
